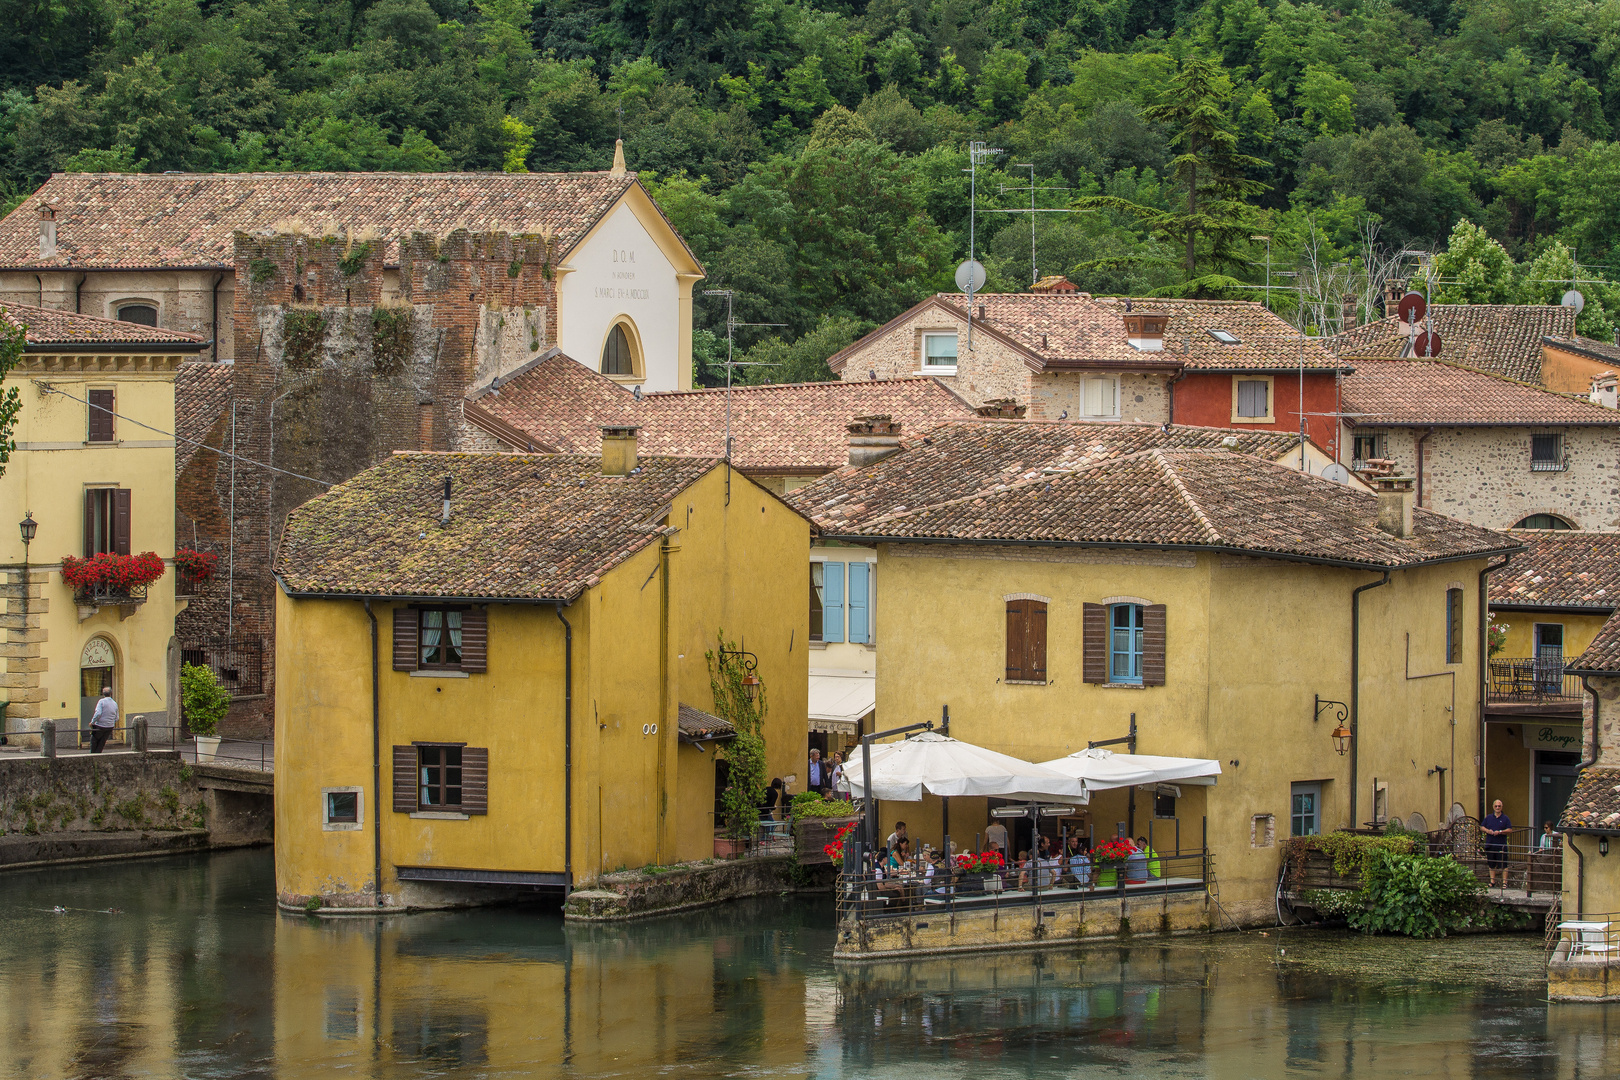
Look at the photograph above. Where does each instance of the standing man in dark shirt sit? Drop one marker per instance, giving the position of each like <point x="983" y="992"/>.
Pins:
<point x="1496" y="827"/>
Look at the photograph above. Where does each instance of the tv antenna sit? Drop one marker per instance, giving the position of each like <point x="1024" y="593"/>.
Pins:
<point x="970" y="276"/>
<point x="731" y="326"/>
<point x="1034" y="274"/>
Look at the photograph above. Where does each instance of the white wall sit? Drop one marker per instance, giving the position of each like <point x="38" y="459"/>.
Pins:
<point x="620" y="270"/>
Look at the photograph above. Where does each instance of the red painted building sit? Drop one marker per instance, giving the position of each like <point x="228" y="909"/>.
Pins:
<point x="1213" y="398"/>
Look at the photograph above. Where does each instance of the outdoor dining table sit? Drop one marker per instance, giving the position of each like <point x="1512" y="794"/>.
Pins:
<point x="1589" y="936"/>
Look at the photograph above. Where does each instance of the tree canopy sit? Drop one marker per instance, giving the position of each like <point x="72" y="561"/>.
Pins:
<point x="812" y="150"/>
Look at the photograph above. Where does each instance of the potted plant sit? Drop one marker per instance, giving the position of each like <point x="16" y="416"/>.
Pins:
<point x="815" y="821"/>
<point x="195" y="567"/>
<point x="204" y="703"/>
<point x="110" y="578"/>
<point x="1111" y="858"/>
<point x="973" y="868"/>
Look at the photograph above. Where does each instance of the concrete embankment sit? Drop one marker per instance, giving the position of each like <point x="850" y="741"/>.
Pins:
<point x="107" y="806"/>
<point x="661" y="890"/>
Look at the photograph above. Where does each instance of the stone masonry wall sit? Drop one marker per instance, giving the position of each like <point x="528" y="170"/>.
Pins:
<point x="21" y="640"/>
<point x="97" y="793"/>
<point x="1608" y="691"/>
<point x="1142" y="398"/>
<point x="1482" y="475"/>
<point x="331" y="376"/>
<point x="990" y="371"/>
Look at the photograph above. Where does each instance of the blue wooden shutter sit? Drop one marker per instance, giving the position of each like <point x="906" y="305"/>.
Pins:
<point x="858" y="604"/>
<point x="832" y="605"/>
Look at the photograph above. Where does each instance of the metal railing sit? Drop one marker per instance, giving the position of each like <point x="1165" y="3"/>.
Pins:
<point x="873" y="894"/>
<point x="1537" y="679"/>
<point x="1591" y="938"/>
<point x="238" y="664"/>
<point x="102" y="595"/>
<point x="1521" y="862"/>
<point x="68" y="737"/>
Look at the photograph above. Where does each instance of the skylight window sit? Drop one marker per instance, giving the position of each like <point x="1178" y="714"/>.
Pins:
<point x="1224" y="337"/>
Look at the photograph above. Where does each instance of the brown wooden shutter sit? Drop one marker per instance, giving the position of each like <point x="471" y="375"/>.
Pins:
<point x="121" y="520"/>
<point x="475" y="780"/>
<point x="90" y="524"/>
<point x="475" y="639"/>
<point x="404" y="779"/>
<point x="1094" y="644"/>
<point x="1035" y="642"/>
<point x="1153" y="645"/>
<point x="405" y="633"/>
<point x="1017" y="627"/>
<point x="101" y="416"/>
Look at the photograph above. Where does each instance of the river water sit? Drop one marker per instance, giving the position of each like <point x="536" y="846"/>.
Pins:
<point x="183" y="967"/>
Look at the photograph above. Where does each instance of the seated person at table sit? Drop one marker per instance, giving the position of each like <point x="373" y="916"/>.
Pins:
<point x="1136" y="867"/>
<point x="937" y="867"/>
<point x="1078" y="862"/>
<point x="1022" y="865"/>
<point x="1153" y="865"/>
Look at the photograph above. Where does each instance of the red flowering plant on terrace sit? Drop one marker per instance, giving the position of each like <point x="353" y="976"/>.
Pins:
<point x="980" y="862"/>
<point x="834" y="849"/>
<point x="197" y="565"/>
<point x="107" y="572"/>
<point x="1114" y="851"/>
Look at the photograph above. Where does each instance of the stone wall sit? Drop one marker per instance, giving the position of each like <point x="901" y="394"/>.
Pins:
<point x="637" y="893"/>
<point x="1142" y="398"/>
<point x="342" y="361"/>
<point x="990" y="370"/>
<point x="1482" y="475"/>
<point x="98" y="793"/>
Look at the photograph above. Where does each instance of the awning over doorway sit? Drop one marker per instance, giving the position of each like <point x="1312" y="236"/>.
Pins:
<point x="840" y="700"/>
<point x="1101" y="769"/>
<point x="940" y="765"/>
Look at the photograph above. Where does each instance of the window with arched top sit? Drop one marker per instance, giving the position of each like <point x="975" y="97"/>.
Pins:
<point x="1543" y="521"/>
<point x="145" y="314"/>
<point x="620" y="355"/>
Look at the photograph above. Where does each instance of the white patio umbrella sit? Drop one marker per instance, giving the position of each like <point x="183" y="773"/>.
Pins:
<point x="940" y="765"/>
<point x="1100" y="769"/>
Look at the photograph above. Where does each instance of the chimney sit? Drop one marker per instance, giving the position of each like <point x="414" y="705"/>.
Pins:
<point x="1395" y="499"/>
<point x="872" y="438"/>
<point x="619" y="450"/>
<point x="47" y="230"/>
<point x="1394" y="289"/>
<point x="1057" y="283"/>
<point x="1348" y="315"/>
<point x="1145" y="330"/>
<point x="1001" y="409"/>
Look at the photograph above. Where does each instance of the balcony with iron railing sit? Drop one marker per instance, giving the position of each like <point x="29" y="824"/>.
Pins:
<point x="1536" y="680"/>
<point x="102" y="594"/>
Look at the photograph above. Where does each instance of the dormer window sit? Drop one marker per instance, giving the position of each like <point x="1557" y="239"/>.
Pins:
<point x="1146" y="331"/>
<point x="1225" y="337"/>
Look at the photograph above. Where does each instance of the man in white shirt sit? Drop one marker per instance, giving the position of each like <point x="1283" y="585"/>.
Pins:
<point x="996" y="836"/>
<point x="103" y="720"/>
<point x="820" y="775"/>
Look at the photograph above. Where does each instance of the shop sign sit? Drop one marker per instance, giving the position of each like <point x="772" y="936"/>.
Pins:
<point x="1561" y="737"/>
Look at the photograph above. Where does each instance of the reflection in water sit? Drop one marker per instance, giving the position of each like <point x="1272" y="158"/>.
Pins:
<point x="196" y="975"/>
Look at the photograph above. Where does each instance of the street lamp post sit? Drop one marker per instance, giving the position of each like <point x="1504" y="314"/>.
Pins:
<point x="28" y="527"/>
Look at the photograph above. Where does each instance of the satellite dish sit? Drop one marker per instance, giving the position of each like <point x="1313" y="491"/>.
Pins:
<point x="970" y="276"/>
<point x="1412" y="307"/>
<point x="1336" y="473"/>
<point x="1427" y="344"/>
<point x="1575" y="300"/>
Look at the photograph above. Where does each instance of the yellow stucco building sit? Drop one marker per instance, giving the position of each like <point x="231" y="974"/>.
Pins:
<point x="1056" y="584"/>
<point x="493" y="671"/>
<point x="94" y="471"/>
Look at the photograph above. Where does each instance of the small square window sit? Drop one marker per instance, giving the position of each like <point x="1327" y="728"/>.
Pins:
<point x="1253" y="398"/>
<point x="1546" y="453"/>
<point x="341" y="808"/>
<point x="939" y="350"/>
<point x="1164" y="805"/>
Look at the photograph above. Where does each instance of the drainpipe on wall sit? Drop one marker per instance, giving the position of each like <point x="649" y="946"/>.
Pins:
<point x="1170" y="388"/>
<point x="376" y="763"/>
<point x="76" y="290"/>
<point x="1421" y="440"/>
<point x="1587" y="759"/>
<point x="213" y="317"/>
<point x="1355" y="687"/>
<point x="1580" y="876"/>
<point x="1484" y="670"/>
<point x="568" y="748"/>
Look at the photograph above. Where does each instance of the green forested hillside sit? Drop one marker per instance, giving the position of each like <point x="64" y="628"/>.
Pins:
<point x="813" y="152"/>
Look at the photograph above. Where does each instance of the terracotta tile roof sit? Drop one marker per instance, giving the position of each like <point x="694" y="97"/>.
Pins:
<point x="1504" y="339"/>
<point x="1606" y="351"/>
<point x="1423" y="392"/>
<point x="1602" y="656"/>
<point x="47" y="328"/>
<point x="1061" y="331"/>
<point x="202" y="392"/>
<point x="562" y="405"/>
<point x="962" y="458"/>
<point x="1594" y="805"/>
<point x="698" y="726"/>
<point x="1560" y="568"/>
<point x="1200" y="498"/>
<point x="186" y="219"/>
<point x="522" y="526"/>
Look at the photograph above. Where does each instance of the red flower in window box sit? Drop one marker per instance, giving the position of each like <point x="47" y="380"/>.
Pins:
<point x="1113" y="851"/>
<point x="112" y="573"/>
<point x="835" y="849"/>
<point x="199" y="566"/>
<point x="982" y="862"/>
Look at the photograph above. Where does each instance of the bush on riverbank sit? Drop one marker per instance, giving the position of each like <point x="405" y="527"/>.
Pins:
<point x="810" y="804"/>
<point x="1415" y="895"/>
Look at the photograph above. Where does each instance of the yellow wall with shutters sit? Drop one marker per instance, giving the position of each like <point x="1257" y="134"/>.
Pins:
<point x="47" y="475"/>
<point x="1249" y="642"/>
<point x="640" y="797"/>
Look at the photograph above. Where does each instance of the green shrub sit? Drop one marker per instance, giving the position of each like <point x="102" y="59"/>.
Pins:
<point x="1415" y="895"/>
<point x="810" y="804"/>
<point x="302" y="332"/>
<point x="1349" y="851"/>
<point x="203" y="700"/>
<point x="744" y="754"/>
